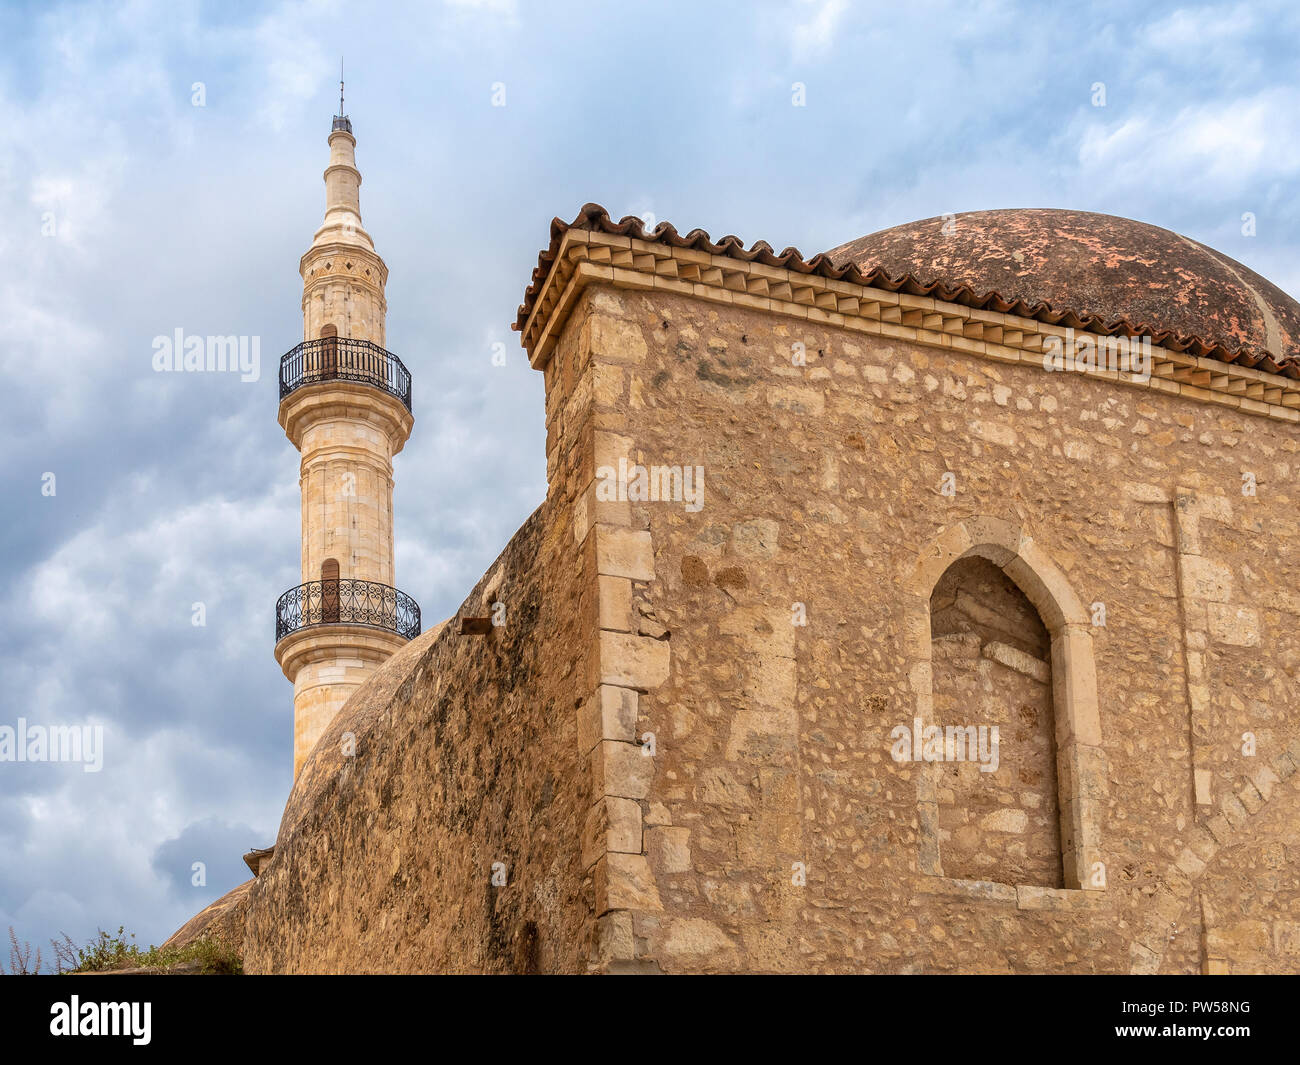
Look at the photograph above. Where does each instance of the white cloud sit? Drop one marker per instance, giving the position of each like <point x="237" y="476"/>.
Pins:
<point x="296" y="60"/>
<point x="816" y="35"/>
<point x="1188" y="29"/>
<point x="176" y="215"/>
<point x="1224" y="147"/>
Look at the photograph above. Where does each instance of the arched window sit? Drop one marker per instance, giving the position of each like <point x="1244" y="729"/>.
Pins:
<point x="329" y="590"/>
<point x="985" y="582"/>
<point x="991" y="674"/>
<point x="329" y="356"/>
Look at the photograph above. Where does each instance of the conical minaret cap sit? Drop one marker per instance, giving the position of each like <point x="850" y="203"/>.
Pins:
<point x="342" y="223"/>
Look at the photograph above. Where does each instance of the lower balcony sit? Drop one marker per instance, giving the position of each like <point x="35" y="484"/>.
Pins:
<point x="346" y="602"/>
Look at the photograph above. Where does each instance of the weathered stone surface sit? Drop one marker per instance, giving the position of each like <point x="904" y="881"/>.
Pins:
<point x="613" y="824"/>
<point x="697" y="943"/>
<point x="467" y="762"/>
<point x="624" y="553"/>
<point x="625" y="882"/>
<point x="615" y="339"/>
<point x="669" y="849"/>
<point x="622" y="769"/>
<point x="1122" y="724"/>
<point x="615" y="604"/>
<point x="222" y="921"/>
<point x="610" y="714"/>
<point x="801" y="625"/>
<point x="1014" y="658"/>
<point x="632" y="661"/>
<point x="1237" y="626"/>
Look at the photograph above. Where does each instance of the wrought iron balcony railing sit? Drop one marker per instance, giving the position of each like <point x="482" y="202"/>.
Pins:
<point x="344" y="359"/>
<point x="347" y="602"/>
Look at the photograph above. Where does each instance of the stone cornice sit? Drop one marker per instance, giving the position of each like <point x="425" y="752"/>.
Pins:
<point x="586" y="256"/>
<point x="339" y="400"/>
<point x="329" y="642"/>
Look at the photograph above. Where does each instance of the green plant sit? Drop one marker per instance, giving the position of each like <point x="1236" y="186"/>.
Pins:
<point x="107" y="953"/>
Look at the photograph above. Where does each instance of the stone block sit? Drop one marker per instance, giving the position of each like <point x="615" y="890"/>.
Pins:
<point x="1232" y="809"/>
<point x="1014" y="658"/>
<point x="607" y="385"/>
<point x="615" y="603"/>
<point x="1190" y="863"/>
<point x="1074" y="688"/>
<point x="621" y="769"/>
<point x="615" y="339"/>
<point x="1009" y="820"/>
<point x="609" y="714"/>
<point x="798" y="399"/>
<point x="668" y="849"/>
<point x="1286" y="935"/>
<point x="623" y="552"/>
<point x="1233" y="940"/>
<point x="632" y="661"/>
<point x="1203" y="781"/>
<point x="625" y="882"/>
<point x="1263" y="778"/>
<point x="695" y="943"/>
<point x="1205" y="578"/>
<point x="614" y="938"/>
<point x="612" y="824"/>
<point x="1284" y="766"/>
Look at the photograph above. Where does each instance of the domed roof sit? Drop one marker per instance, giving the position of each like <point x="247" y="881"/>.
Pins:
<point x="1114" y="269"/>
<point x="1071" y="269"/>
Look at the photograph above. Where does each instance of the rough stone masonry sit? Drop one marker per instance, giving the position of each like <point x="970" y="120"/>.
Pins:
<point x="674" y="755"/>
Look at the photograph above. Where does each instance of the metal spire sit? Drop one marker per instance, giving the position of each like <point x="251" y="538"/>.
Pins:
<point x="341" y="120"/>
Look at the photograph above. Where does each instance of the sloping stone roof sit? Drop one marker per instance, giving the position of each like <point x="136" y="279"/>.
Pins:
<point x="1096" y="272"/>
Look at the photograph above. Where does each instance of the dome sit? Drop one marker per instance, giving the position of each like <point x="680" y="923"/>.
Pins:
<point x="1092" y="264"/>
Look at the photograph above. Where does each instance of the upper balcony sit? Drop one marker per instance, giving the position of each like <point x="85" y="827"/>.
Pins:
<point x="345" y="359"/>
<point x="346" y="602"/>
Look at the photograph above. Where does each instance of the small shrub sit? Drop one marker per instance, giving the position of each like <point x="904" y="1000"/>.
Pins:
<point x="114" y="952"/>
<point x="21" y="962"/>
<point x="107" y="953"/>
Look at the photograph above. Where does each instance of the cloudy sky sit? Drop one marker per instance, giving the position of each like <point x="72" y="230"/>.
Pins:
<point x="127" y="212"/>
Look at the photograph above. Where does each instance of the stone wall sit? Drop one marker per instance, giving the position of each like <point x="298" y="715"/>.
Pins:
<point x="777" y="831"/>
<point x="458" y="759"/>
<point x="681" y="742"/>
<point x="1244" y="916"/>
<point x="224" y="921"/>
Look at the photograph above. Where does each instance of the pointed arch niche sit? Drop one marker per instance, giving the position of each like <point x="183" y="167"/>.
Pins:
<point x="1080" y="760"/>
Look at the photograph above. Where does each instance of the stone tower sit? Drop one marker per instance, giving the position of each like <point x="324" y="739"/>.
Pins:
<point x="345" y="403"/>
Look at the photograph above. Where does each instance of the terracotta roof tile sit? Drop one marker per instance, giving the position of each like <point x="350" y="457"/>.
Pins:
<point x="951" y="290"/>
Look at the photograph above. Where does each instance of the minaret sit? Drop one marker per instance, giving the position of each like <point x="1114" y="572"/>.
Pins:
<point x="345" y="403"/>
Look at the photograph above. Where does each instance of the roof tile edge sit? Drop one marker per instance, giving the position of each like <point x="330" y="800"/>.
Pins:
<point x="596" y="218"/>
